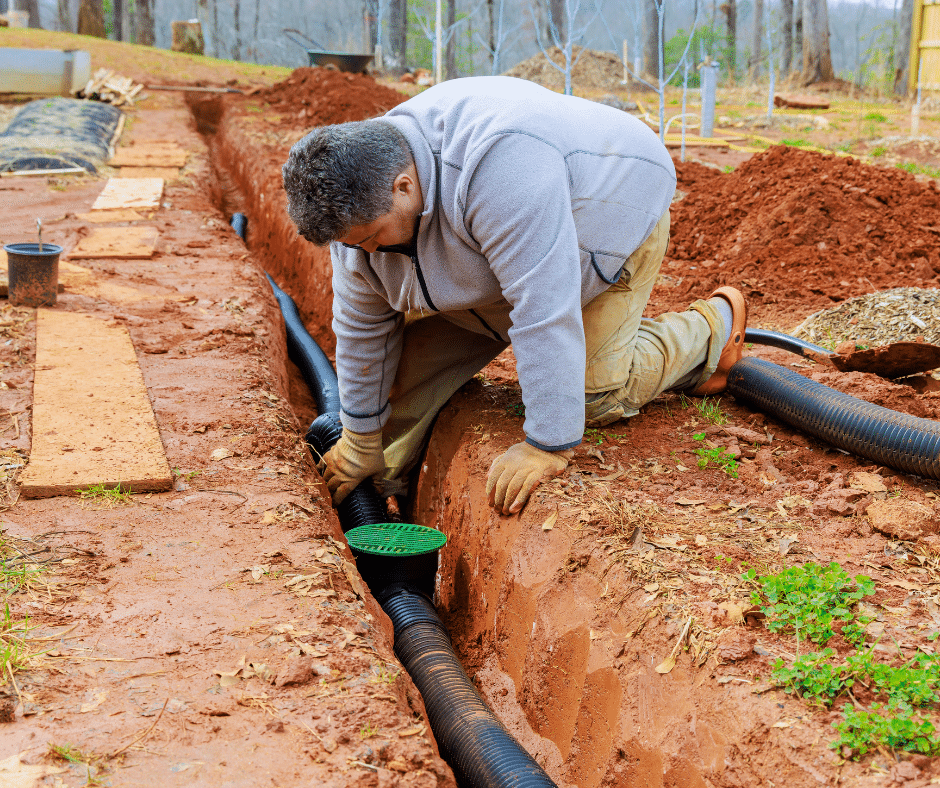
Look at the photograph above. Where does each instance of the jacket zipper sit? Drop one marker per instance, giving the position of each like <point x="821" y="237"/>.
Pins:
<point x="424" y="286"/>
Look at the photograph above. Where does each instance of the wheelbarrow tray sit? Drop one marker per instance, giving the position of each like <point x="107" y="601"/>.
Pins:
<point x="341" y="60"/>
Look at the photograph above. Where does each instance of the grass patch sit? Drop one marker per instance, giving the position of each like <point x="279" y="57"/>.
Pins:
<point x="710" y="410"/>
<point x="104" y="497"/>
<point x="919" y="169"/>
<point x="876" y="116"/>
<point x="796" y="143"/>
<point x="718" y="455"/>
<point x="878" y="151"/>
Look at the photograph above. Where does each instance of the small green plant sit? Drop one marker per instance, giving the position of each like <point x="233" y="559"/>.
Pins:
<point x="861" y="731"/>
<point x="810" y="599"/>
<point x="797" y="143"/>
<point x="812" y="676"/>
<point x="727" y="168"/>
<point x="383" y="675"/>
<point x="881" y="150"/>
<point x="105" y="497"/>
<point x="368" y="731"/>
<point x="186" y="475"/>
<point x="876" y="116"/>
<point x="710" y="410"/>
<point x="517" y="409"/>
<point x="595" y="436"/>
<point x="721" y="457"/>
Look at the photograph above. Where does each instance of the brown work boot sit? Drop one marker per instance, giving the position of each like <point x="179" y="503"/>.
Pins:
<point x="734" y="348"/>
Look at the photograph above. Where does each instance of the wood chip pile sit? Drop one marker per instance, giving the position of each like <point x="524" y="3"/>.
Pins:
<point x="110" y="88"/>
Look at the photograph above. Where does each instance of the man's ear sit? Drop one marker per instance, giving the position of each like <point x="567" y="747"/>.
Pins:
<point x="403" y="183"/>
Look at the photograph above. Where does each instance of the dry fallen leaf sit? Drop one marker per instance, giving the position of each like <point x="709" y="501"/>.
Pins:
<point x="221" y="454"/>
<point x="269" y="517"/>
<point x="670" y="662"/>
<point x="94" y="704"/>
<point x="550" y="521"/>
<point x="411" y="731"/>
<point x="701" y="540"/>
<point x="690" y="501"/>
<point x="869" y="482"/>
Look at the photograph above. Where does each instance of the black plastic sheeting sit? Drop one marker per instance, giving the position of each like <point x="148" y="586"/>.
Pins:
<point x="905" y="443"/>
<point x="482" y="753"/>
<point x="58" y="133"/>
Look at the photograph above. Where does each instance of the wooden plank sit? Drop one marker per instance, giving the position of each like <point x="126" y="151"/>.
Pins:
<point x="167" y="173"/>
<point x="130" y="243"/>
<point x="111" y="215"/>
<point x="695" y="142"/>
<point x="150" y="155"/>
<point x="130" y="193"/>
<point x="92" y="419"/>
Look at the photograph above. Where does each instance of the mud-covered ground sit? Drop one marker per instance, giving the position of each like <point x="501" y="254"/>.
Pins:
<point x="219" y="634"/>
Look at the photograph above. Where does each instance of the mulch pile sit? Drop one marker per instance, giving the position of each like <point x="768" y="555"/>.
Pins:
<point x="594" y="69"/>
<point x="799" y="228"/>
<point x="322" y="96"/>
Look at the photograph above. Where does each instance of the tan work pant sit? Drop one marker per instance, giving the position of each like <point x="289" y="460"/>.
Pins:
<point x="630" y="359"/>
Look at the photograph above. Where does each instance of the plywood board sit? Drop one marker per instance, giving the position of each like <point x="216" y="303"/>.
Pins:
<point x="167" y="173"/>
<point x="150" y="155"/>
<point x="111" y="215"/>
<point x="92" y="419"/>
<point x="130" y="193"/>
<point x="129" y="243"/>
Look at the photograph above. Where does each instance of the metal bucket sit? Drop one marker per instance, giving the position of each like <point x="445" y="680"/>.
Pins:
<point x="33" y="275"/>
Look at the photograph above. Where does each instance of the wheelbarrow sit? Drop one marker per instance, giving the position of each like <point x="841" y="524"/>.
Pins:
<point x="344" y="61"/>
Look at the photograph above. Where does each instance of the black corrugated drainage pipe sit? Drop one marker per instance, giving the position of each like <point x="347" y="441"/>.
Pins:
<point x="760" y="336"/>
<point x="482" y="753"/>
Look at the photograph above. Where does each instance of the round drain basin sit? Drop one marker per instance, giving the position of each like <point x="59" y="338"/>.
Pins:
<point x="395" y="539"/>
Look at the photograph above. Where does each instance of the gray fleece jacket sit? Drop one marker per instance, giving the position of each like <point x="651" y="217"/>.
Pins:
<point x="533" y="202"/>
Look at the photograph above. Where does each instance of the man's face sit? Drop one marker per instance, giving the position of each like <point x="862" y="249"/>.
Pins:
<point x="395" y="227"/>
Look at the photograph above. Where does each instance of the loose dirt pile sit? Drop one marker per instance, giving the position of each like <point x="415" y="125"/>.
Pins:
<point x="798" y="230"/>
<point x="321" y="96"/>
<point x="593" y="70"/>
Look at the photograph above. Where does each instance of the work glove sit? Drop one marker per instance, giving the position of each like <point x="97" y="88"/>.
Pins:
<point x="354" y="457"/>
<point x="514" y="475"/>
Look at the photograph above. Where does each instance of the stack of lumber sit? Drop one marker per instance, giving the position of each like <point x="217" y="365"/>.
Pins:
<point x="110" y="88"/>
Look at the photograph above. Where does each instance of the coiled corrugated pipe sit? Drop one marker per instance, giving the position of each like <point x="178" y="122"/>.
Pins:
<point x="906" y="443"/>
<point x="801" y="347"/>
<point x="482" y="753"/>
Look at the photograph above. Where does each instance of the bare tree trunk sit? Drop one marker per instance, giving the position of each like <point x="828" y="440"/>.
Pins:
<point x="557" y="10"/>
<point x="32" y="6"/>
<point x="786" y="34"/>
<point x="797" y="35"/>
<point x="650" y="38"/>
<point x="91" y="19"/>
<point x="118" y="26"/>
<point x="397" y="36"/>
<point x="145" y="33"/>
<point x="236" y="25"/>
<point x="372" y="15"/>
<point x="817" y="57"/>
<point x="450" y="53"/>
<point x="65" y="16"/>
<point x="491" y="32"/>
<point x="902" y="60"/>
<point x="731" y="38"/>
<point x="757" y="40"/>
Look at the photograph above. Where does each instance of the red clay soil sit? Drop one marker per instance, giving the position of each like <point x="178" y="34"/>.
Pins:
<point x="561" y="614"/>
<point x="799" y="231"/>
<point x="321" y="96"/>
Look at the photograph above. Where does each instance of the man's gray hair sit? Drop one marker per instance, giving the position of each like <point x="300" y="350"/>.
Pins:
<point x="341" y="176"/>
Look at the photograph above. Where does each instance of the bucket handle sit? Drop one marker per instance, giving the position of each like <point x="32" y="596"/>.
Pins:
<point x="291" y="32"/>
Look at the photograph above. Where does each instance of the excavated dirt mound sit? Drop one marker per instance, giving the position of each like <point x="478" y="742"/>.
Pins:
<point x="593" y="70"/>
<point x="321" y="96"/>
<point x="798" y="230"/>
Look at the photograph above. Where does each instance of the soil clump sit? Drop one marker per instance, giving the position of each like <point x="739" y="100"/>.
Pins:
<point x="799" y="230"/>
<point x="593" y="70"/>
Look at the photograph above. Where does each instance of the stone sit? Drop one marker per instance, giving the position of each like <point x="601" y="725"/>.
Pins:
<point x="898" y="518"/>
<point x="735" y="644"/>
<point x="297" y="670"/>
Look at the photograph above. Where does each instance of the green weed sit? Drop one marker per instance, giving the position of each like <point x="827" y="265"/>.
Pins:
<point x="861" y="731"/>
<point x="592" y="435"/>
<point x="812" y="675"/>
<point x="368" y="731"/>
<point x="810" y="599"/>
<point x="727" y="168"/>
<point x="876" y="116"/>
<point x="718" y="455"/>
<point x="516" y="410"/>
<point x="186" y="475"/>
<point x="881" y="150"/>
<point x="797" y="143"/>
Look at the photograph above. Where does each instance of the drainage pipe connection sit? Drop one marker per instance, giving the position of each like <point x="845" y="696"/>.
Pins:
<point x="482" y="753"/>
<point x="760" y="336"/>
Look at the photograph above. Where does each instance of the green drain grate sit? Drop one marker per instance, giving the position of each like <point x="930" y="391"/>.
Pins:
<point x="399" y="539"/>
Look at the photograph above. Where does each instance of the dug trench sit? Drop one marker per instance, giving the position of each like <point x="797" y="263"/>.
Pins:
<point x="611" y="624"/>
